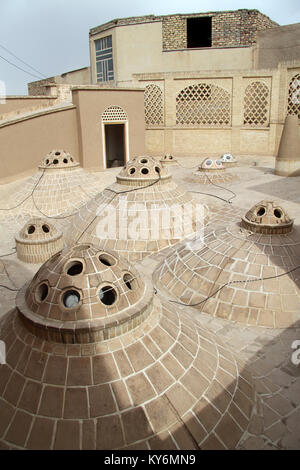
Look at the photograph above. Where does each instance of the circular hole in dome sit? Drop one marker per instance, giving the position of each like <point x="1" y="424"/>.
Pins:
<point x="55" y="161"/>
<point x="227" y="157"/>
<point x="107" y="259"/>
<point x="130" y="281"/>
<point x="74" y="268"/>
<point x="31" y="229"/>
<point x="261" y="211"/>
<point x="47" y="161"/>
<point x="171" y="158"/>
<point x="165" y="157"/>
<point x="145" y="171"/>
<point x="57" y="153"/>
<point x="71" y="298"/>
<point x="41" y="292"/>
<point x="132" y="171"/>
<point x="218" y="162"/>
<point x="65" y="160"/>
<point x="157" y="169"/>
<point x="277" y="213"/>
<point x="107" y="295"/>
<point x="46" y="228"/>
<point x="208" y="162"/>
<point x="144" y="160"/>
<point x="71" y="159"/>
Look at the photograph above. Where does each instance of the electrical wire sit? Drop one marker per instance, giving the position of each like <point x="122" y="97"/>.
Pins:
<point x="20" y="68"/>
<point x="229" y="201"/>
<point x="235" y="282"/>
<point x="23" y="62"/>
<point x="116" y="193"/>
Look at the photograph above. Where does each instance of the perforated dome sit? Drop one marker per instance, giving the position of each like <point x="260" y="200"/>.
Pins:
<point x="138" y="216"/>
<point x="142" y="170"/>
<point x="58" y="159"/>
<point x="38" y="241"/>
<point x="267" y="217"/>
<point x="38" y="229"/>
<point x="87" y="291"/>
<point x="213" y="171"/>
<point x="211" y="165"/>
<point x="168" y="159"/>
<point x="161" y="383"/>
<point x="239" y="274"/>
<point x="56" y="189"/>
<point x="228" y="160"/>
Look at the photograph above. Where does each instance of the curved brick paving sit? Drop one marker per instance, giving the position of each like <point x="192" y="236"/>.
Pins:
<point x="168" y="384"/>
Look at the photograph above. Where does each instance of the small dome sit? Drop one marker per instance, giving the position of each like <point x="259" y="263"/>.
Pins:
<point x="38" y="241"/>
<point x="142" y="170"/>
<point x="227" y="157"/>
<point x="210" y="164"/>
<point x="267" y="217"/>
<point x="168" y="160"/>
<point x="38" y="229"/>
<point x="58" y="159"/>
<point x="82" y="293"/>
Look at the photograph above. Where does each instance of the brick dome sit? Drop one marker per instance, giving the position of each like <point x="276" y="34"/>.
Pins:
<point x="38" y="241"/>
<point x="140" y="215"/>
<point x="267" y="217"/>
<point x="83" y="294"/>
<point x="58" y="159"/>
<point x="164" y="383"/>
<point x="237" y="273"/>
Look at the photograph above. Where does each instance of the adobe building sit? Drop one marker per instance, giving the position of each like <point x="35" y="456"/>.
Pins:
<point x="196" y="84"/>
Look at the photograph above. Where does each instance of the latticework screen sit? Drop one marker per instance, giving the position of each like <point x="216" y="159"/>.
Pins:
<point x="114" y="113"/>
<point x="256" y="105"/>
<point x="154" y="109"/>
<point x="203" y="104"/>
<point x="294" y="96"/>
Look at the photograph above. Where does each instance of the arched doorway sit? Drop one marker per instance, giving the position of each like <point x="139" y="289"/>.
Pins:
<point x="115" y="137"/>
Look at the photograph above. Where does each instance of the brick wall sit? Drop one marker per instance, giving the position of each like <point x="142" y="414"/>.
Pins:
<point x="229" y="28"/>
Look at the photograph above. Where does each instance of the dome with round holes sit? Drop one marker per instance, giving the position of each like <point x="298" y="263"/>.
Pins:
<point x="212" y="171"/>
<point x="87" y="291"/>
<point x="58" y="159"/>
<point x="38" y="241"/>
<point x="245" y="272"/>
<point x="59" y="192"/>
<point x="142" y="170"/>
<point x="138" y="217"/>
<point x="147" y="377"/>
<point x="211" y="165"/>
<point x="267" y="217"/>
<point x="228" y="160"/>
<point x="168" y="160"/>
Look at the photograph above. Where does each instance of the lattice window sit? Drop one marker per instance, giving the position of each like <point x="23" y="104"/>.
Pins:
<point x="114" y="113"/>
<point x="256" y="105"/>
<point x="294" y="96"/>
<point x="203" y="104"/>
<point x="153" y="103"/>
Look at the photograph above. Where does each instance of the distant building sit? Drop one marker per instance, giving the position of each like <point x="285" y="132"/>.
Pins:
<point x="213" y="83"/>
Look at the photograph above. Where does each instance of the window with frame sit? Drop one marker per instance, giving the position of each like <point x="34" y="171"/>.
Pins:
<point x="104" y="59"/>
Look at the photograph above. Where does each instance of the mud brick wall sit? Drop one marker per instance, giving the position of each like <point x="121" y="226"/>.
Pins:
<point x="229" y="28"/>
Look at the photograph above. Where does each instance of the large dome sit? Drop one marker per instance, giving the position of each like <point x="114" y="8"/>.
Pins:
<point x="59" y="187"/>
<point x="237" y="272"/>
<point x="155" y="379"/>
<point x="143" y="212"/>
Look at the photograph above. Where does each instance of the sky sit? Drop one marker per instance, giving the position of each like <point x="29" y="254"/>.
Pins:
<point x="52" y="35"/>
